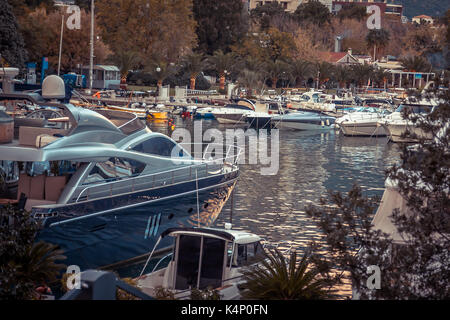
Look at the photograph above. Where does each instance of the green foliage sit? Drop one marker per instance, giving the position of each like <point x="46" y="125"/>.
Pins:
<point x="24" y="265"/>
<point x="279" y="279"/>
<point x="417" y="267"/>
<point x="220" y="24"/>
<point x="205" y="294"/>
<point x="312" y="12"/>
<point x="12" y="46"/>
<point x="352" y="11"/>
<point x="164" y="294"/>
<point x="416" y="64"/>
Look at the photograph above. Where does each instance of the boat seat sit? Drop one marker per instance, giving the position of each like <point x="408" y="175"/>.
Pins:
<point x="28" y="135"/>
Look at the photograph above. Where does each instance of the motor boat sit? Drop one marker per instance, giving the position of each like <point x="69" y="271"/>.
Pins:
<point x="363" y="121"/>
<point x="315" y="101"/>
<point x="303" y="120"/>
<point x="204" y="113"/>
<point x="204" y="258"/>
<point x="396" y="125"/>
<point x="234" y="113"/>
<point x="105" y="186"/>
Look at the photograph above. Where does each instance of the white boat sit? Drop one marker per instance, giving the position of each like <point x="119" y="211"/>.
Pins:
<point x="363" y="122"/>
<point x="303" y="120"/>
<point x="234" y="113"/>
<point x="316" y="101"/>
<point x="396" y="126"/>
<point x="204" y="258"/>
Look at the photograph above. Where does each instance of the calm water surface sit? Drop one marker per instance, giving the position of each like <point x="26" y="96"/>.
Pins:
<point x="309" y="165"/>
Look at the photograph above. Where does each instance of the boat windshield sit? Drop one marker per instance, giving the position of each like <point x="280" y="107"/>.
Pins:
<point x="415" y="108"/>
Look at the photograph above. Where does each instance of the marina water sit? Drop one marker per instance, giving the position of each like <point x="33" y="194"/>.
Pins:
<point x="310" y="164"/>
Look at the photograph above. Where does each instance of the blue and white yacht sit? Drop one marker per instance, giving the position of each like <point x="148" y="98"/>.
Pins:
<point x="105" y="186"/>
<point x="303" y="120"/>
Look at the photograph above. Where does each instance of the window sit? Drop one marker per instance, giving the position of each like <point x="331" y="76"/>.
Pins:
<point x="113" y="169"/>
<point x="249" y="253"/>
<point x="159" y="146"/>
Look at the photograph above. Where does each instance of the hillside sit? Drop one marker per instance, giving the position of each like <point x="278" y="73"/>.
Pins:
<point x="429" y="7"/>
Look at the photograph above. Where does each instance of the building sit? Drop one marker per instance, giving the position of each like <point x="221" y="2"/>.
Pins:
<point x="288" y="5"/>
<point x="422" y="18"/>
<point x="338" y="58"/>
<point x="386" y="7"/>
<point x="104" y="77"/>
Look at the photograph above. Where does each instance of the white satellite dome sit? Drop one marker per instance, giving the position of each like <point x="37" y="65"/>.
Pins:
<point x="53" y="87"/>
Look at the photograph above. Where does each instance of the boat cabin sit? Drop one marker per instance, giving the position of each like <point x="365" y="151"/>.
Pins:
<point x="208" y="257"/>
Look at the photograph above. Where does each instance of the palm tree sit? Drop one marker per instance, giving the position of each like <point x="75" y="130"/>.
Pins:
<point x="249" y="80"/>
<point x="361" y="73"/>
<point x="342" y="75"/>
<point x="377" y="39"/>
<point x="301" y="70"/>
<point x="324" y="71"/>
<point x="279" y="279"/>
<point x="222" y="64"/>
<point x="381" y="76"/>
<point x="276" y="70"/>
<point x="193" y="64"/>
<point x="126" y="60"/>
<point x="160" y="70"/>
<point x="415" y="64"/>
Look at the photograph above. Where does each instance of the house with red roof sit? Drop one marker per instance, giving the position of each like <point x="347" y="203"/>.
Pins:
<point x="338" y="57"/>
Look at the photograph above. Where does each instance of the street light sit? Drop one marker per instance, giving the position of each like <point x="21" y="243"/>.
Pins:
<point x="63" y="5"/>
<point x="158" y="69"/>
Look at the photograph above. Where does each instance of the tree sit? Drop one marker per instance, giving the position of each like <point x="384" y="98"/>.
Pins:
<point x="220" y="24"/>
<point x="125" y="60"/>
<point x="161" y="70"/>
<point x="415" y="64"/>
<point x="249" y="79"/>
<point x="24" y="264"/>
<point x="377" y="40"/>
<point x="150" y="27"/>
<point x="324" y="71"/>
<point x="415" y="266"/>
<point x="193" y="64"/>
<point x="279" y="279"/>
<point x="12" y="46"/>
<point x="42" y="29"/>
<point x="301" y="70"/>
<point x="352" y="11"/>
<point x="277" y="70"/>
<point x="342" y="75"/>
<point x="222" y="63"/>
<point x="312" y="12"/>
<point x="361" y="73"/>
<point x="266" y="13"/>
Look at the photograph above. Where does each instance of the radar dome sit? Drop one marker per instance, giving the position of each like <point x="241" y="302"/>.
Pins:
<point x="53" y="88"/>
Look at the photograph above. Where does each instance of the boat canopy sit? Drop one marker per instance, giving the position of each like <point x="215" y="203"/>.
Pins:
<point x="238" y="236"/>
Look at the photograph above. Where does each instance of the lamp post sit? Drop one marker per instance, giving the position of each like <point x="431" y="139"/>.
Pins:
<point x="63" y="5"/>
<point x="158" y="70"/>
<point x="91" y="57"/>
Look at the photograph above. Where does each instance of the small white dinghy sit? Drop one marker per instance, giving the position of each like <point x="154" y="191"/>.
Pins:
<point x="204" y="258"/>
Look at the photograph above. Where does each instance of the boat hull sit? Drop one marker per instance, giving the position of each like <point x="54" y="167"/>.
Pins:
<point x="395" y="131"/>
<point x="367" y="129"/>
<point x="259" y="122"/>
<point x="230" y="118"/>
<point x="108" y="232"/>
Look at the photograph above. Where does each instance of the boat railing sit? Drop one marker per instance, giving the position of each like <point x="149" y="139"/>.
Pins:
<point x="206" y="168"/>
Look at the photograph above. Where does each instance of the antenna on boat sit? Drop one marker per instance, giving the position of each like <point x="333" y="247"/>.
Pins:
<point x="198" y="208"/>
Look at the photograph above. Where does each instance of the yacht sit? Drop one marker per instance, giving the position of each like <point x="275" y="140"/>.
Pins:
<point x="396" y="126"/>
<point x="234" y="113"/>
<point x="105" y="186"/>
<point x="202" y="258"/>
<point x="315" y="101"/>
<point x="303" y="120"/>
<point x="363" y="121"/>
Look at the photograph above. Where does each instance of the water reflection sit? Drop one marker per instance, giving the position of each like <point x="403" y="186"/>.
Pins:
<point x="310" y="164"/>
